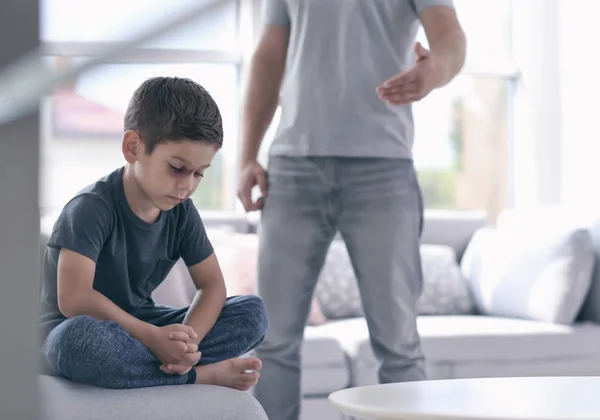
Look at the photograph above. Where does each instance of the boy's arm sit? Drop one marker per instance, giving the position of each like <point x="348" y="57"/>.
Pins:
<point x="198" y="254"/>
<point x="80" y="233"/>
<point x="76" y="296"/>
<point x="209" y="299"/>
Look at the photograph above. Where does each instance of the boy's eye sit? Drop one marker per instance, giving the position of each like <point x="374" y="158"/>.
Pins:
<point x="198" y="175"/>
<point x="175" y="168"/>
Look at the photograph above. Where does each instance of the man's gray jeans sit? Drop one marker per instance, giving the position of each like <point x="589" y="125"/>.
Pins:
<point x="377" y="207"/>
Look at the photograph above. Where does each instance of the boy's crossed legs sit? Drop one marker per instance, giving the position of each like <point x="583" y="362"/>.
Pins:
<point x="101" y="353"/>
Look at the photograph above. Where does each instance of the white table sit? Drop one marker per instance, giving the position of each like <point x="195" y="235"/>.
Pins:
<point x="541" y="398"/>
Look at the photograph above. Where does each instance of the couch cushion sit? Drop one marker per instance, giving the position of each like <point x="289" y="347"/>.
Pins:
<point x="561" y="217"/>
<point x="324" y="365"/>
<point x="63" y="399"/>
<point x="478" y="338"/>
<point x="539" y="274"/>
<point x="444" y="290"/>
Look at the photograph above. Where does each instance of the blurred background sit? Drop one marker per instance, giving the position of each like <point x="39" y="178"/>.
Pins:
<point x="514" y="129"/>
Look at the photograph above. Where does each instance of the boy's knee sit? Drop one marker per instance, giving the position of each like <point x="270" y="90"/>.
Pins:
<point x="78" y="336"/>
<point x="75" y="330"/>
<point x="66" y="342"/>
<point x="257" y="312"/>
<point x="74" y="343"/>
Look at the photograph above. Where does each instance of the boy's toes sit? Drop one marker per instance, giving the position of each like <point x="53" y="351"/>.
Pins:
<point x="246" y="384"/>
<point x="254" y="363"/>
<point x="251" y="377"/>
<point x="257" y="364"/>
<point x="248" y="364"/>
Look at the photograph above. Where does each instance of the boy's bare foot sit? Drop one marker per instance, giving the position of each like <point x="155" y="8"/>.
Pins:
<point x="230" y="373"/>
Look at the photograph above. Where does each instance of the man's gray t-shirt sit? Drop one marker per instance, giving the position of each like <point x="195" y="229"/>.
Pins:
<point x="132" y="256"/>
<point x="339" y="52"/>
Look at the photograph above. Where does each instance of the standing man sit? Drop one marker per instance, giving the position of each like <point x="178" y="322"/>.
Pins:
<point x="341" y="161"/>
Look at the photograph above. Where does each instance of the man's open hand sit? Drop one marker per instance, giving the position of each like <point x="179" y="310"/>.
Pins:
<point x="413" y="84"/>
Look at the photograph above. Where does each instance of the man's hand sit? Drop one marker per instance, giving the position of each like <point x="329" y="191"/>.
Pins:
<point x="170" y="345"/>
<point x="252" y="174"/>
<point x="413" y="84"/>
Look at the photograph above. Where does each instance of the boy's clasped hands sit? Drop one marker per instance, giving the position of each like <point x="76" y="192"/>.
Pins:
<point x="175" y="347"/>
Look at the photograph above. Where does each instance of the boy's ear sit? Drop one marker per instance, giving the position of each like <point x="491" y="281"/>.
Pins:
<point x="132" y="146"/>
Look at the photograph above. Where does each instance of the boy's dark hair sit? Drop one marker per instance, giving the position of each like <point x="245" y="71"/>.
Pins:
<point x="165" y="109"/>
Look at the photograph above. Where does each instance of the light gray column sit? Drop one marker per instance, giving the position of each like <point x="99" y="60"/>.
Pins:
<point x="538" y="141"/>
<point x="19" y="230"/>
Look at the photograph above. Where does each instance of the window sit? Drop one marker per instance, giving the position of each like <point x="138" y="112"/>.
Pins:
<point x="82" y="123"/>
<point x="462" y="145"/>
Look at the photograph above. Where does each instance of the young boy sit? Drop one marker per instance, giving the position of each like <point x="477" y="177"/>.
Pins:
<point x="117" y="239"/>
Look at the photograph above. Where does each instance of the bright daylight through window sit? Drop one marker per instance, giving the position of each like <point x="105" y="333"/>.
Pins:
<point x="462" y="145"/>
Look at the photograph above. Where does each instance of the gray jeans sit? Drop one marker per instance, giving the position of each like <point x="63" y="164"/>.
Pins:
<point x="377" y="207"/>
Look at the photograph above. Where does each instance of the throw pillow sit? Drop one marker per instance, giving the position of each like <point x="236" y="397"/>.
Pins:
<point x="238" y="256"/>
<point x="444" y="291"/>
<point x="531" y="274"/>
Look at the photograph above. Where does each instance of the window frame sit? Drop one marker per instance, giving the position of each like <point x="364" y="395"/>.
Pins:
<point x="248" y="20"/>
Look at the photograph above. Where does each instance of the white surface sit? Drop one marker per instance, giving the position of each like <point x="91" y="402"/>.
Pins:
<point x="550" y="398"/>
<point x="468" y="339"/>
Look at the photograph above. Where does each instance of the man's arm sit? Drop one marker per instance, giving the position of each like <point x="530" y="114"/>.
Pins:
<point x="262" y="91"/>
<point x="432" y="69"/>
<point x="260" y="101"/>
<point x="209" y="299"/>
<point x="446" y="40"/>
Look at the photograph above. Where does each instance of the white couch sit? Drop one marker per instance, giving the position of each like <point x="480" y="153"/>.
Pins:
<point x="337" y="354"/>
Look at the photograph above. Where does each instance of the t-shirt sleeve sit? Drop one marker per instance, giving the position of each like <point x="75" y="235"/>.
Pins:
<point x="421" y="5"/>
<point x="275" y="13"/>
<point x="195" y="246"/>
<point x="83" y="226"/>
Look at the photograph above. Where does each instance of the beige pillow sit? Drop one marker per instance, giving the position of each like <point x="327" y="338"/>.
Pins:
<point x="238" y="255"/>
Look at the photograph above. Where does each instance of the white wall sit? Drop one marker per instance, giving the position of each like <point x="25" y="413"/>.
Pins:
<point x="557" y="147"/>
<point x="579" y="27"/>
<point x="537" y="138"/>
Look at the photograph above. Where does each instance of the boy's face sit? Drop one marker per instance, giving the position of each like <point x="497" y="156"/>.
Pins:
<point x="173" y="171"/>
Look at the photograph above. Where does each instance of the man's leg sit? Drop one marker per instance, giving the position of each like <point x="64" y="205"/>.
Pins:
<point x="381" y="223"/>
<point x="295" y="232"/>
<point x="101" y="353"/>
<point x="240" y="327"/>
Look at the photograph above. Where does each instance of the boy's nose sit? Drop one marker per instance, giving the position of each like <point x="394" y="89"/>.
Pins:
<point x="186" y="184"/>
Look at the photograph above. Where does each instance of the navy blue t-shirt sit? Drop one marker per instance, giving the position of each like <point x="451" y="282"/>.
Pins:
<point x="132" y="256"/>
